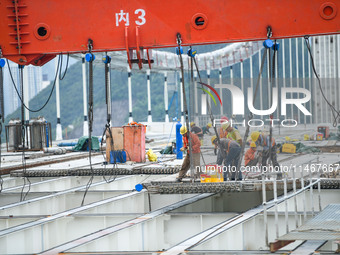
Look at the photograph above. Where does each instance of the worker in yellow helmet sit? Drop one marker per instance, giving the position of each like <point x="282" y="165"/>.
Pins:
<point x="268" y="149"/>
<point x="205" y="129"/>
<point x="231" y="152"/>
<point x="195" y="149"/>
<point x="232" y="133"/>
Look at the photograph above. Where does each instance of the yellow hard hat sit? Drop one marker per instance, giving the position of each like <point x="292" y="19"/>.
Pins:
<point x="225" y="125"/>
<point x="183" y="130"/>
<point x="253" y="145"/>
<point x="192" y="124"/>
<point x="255" y="135"/>
<point x="209" y="125"/>
<point x="213" y="139"/>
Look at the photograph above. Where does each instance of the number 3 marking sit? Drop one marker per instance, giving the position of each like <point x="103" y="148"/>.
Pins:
<point x="141" y="17"/>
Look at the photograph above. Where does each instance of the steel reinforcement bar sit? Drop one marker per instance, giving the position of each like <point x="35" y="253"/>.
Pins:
<point x="95" y="172"/>
<point x="232" y="186"/>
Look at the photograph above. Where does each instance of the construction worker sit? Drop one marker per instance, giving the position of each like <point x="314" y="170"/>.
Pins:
<point x="232" y="133"/>
<point x="197" y="130"/>
<point x="195" y="148"/>
<point x="231" y="151"/>
<point x="263" y="141"/>
<point x="251" y="158"/>
<point x="222" y="133"/>
<point x="205" y="129"/>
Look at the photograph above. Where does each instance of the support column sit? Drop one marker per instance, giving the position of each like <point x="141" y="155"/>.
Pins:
<point x="85" y="124"/>
<point x="149" y="97"/>
<point x="166" y="97"/>
<point x="130" y="94"/>
<point x="59" y="135"/>
<point x="182" y="102"/>
<point x="221" y="95"/>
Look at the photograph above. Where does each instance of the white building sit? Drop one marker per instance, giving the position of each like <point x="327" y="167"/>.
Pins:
<point x="12" y="101"/>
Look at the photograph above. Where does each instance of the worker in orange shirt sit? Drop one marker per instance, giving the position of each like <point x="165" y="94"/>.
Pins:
<point x="196" y="150"/>
<point x="251" y="158"/>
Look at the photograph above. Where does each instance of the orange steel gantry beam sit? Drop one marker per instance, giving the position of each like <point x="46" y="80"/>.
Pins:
<point x="35" y="31"/>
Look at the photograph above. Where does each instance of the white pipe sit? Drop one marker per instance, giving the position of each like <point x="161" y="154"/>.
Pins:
<point x="221" y="95"/>
<point x="260" y="75"/>
<point x="291" y="75"/>
<point x="314" y="82"/>
<point x="59" y="135"/>
<point x="303" y="74"/>
<point x="295" y="200"/>
<point x="166" y="97"/>
<point x="321" y="75"/>
<point x="85" y="124"/>
<point x="297" y="72"/>
<point x="130" y="94"/>
<point x="303" y="197"/>
<point x="286" y="203"/>
<point x="276" y="212"/>
<point x="268" y="80"/>
<point x="149" y="97"/>
<point x="26" y="92"/>
<point x="311" y="193"/>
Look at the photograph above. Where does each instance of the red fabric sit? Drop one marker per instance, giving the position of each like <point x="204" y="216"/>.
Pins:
<point x="250" y="155"/>
<point x="195" y="143"/>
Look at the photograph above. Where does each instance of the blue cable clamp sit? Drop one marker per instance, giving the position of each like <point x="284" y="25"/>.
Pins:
<point x="268" y="43"/>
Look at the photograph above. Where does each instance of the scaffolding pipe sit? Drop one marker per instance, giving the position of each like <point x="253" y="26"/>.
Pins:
<point x="303" y="197"/>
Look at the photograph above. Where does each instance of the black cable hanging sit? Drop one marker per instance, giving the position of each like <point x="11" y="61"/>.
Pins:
<point x="21" y="99"/>
<point x="185" y="106"/>
<point x="335" y="112"/>
<point x="61" y="77"/>
<point x="90" y="58"/>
